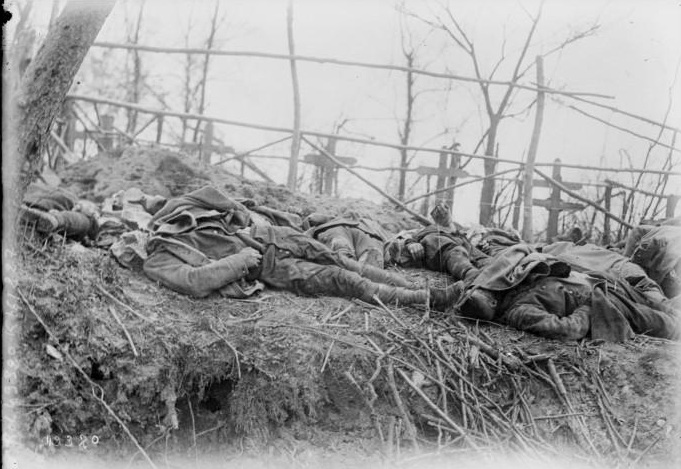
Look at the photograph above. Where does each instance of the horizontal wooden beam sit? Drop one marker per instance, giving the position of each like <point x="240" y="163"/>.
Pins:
<point x="326" y="60"/>
<point x="548" y="204"/>
<point x="634" y="189"/>
<point x="324" y="162"/>
<point x="430" y="171"/>
<point x="219" y="149"/>
<point x="628" y="114"/>
<point x="570" y="185"/>
<point x="454" y="186"/>
<point x="623" y="129"/>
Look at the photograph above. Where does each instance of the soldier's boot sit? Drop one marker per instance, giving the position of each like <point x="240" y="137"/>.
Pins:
<point x="459" y="266"/>
<point x="478" y="303"/>
<point x="444" y="298"/>
<point x="378" y="275"/>
<point x="75" y="224"/>
<point x="404" y="296"/>
<point x="375" y="274"/>
<point x="45" y="222"/>
<point x="440" y="298"/>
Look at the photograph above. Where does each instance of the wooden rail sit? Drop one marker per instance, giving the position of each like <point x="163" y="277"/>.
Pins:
<point x="327" y="60"/>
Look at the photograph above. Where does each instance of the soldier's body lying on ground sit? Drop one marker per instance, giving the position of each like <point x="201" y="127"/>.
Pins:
<point x="657" y="249"/>
<point x="542" y="294"/>
<point x="446" y="246"/>
<point x="352" y="236"/>
<point x="205" y="242"/>
<point x="568" y="291"/>
<point x="119" y="224"/>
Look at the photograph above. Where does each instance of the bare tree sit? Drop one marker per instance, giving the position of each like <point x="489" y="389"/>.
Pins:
<point x="495" y="110"/>
<point x="409" y="54"/>
<point x="136" y="82"/>
<point x="49" y="77"/>
<point x="189" y="89"/>
<point x="203" y="83"/>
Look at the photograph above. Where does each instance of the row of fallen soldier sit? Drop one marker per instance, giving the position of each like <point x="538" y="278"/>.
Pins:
<point x="206" y="242"/>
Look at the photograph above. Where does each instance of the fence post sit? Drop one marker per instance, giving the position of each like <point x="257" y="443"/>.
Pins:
<point x="554" y="209"/>
<point x="606" y="221"/>
<point x="455" y="163"/>
<point x="672" y="200"/>
<point x="70" y="125"/>
<point x="532" y="155"/>
<point x="518" y="202"/>
<point x="424" y="204"/>
<point x="441" y="181"/>
<point x="159" y="127"/>
<point x="107" y="137"/>
<point x="330" y="174"/>
<point x="295" y="141"/>
<point x="206" y="143"/>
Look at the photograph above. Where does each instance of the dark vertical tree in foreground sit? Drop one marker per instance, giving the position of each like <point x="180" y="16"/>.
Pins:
<point x="48" y="78"/>
<point x="28" y="114"/>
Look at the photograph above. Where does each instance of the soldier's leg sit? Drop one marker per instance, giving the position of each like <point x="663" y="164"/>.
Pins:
<point x="653" y="322"/>
<point x="72" y="224"/>
<point x="376" y="274"/>
<point x="369" y="250"/>
<point x="308" y="278"/>
<point x="458" y="263"/>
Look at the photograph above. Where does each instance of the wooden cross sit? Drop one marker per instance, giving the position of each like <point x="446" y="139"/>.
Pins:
<point x="553" y="204"/>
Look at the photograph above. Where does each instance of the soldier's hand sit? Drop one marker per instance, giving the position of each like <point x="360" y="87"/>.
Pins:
<point x="441" y="214"/>
<point x="416" y="251"/>
<point x="251" y="256"/>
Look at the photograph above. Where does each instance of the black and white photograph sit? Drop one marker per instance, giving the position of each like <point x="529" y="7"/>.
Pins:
<point x="341" y="234"/>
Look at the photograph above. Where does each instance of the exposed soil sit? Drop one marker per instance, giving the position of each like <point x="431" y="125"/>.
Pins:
<point x="287" y="381"/>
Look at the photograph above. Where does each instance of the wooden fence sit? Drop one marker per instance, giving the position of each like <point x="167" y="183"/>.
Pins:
<point x="105" y="135"/>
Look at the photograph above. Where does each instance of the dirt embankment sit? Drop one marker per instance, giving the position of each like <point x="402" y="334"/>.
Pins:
<point x="290" y="381"/>
<point x="158" y="171"/>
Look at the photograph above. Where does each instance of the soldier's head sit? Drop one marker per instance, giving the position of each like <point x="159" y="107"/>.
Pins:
<point x="442" y="214"/>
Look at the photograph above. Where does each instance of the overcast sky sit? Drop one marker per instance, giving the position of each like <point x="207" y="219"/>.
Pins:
<point x="633" y="57"/>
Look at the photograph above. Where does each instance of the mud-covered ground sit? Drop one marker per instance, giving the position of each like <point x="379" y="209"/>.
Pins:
<point x="285" y="381"/>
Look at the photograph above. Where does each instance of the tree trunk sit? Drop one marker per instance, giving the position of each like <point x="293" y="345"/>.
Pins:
<point x="406" y="131"/>
<point x="295" y="141"/>
<point x="135" y="91"/>
<point x="204" y="71"/>
<point x="532" y="154"/>
<point x="49" y="77"/>
<point x="487" y="192"/>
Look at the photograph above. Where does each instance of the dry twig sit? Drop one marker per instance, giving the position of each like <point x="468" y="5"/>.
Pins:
<point x="125" y="330"/>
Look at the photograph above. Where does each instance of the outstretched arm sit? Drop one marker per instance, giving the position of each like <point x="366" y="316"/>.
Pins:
<point x="177" y="275"/>
<point x="533" y="318"/>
